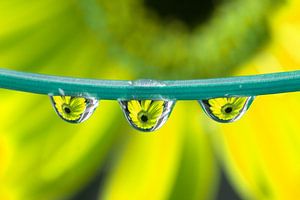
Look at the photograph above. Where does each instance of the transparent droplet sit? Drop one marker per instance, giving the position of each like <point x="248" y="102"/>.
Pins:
<point x="147" y="83"/>
<point x="74" y="109"/>
<point x="226" y="109"/>
<point x="147" y="115"/>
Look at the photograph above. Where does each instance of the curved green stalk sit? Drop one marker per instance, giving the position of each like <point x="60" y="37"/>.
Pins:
<point x="150" y="89"/>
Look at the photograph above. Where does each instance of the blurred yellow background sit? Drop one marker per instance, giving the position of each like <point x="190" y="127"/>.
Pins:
<point x="42" y="157"/>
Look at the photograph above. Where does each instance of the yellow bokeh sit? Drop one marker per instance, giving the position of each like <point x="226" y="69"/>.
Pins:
<point x="43" y="157"/>
<point x="260" y="152"/>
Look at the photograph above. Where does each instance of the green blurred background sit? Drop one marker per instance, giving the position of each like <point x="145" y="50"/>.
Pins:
<point x="190" y="157"/>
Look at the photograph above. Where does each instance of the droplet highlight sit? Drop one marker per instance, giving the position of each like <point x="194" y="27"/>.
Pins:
<point x="147" y="115"/>
<point x="74" y="109"/>
<point x="226" y="109"/>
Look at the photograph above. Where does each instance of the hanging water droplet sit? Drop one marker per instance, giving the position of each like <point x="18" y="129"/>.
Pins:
<point x="147" y="115"/>
<point x="226" y="109"/>
<point x="74" y="109"/>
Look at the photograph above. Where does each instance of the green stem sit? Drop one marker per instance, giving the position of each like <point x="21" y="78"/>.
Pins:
<point x="149" y="89"/>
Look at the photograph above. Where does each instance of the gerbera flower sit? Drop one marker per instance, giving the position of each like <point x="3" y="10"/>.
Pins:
<point x="227" y="109"/>
<point x="69" y="108"/>
<point x="146" y="113"/>
<point x="95" y="46"/>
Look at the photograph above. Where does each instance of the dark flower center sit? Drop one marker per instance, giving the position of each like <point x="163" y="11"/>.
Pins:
<point x="191" y="12"/>
<point x="228" y="110"/>
<point x="67" y="110"/>
<point x="144" y="118"/>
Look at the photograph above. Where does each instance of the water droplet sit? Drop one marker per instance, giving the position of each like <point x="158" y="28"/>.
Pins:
<point x="147" y="82"/>
<point x="226" y="109"/>
<point x="147" y="115"/>
<point x="74" y="109"/>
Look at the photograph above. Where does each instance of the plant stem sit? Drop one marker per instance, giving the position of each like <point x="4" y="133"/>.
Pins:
<point x="149" y="89"/>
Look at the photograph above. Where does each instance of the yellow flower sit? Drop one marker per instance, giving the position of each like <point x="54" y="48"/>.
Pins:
<point x="94" y="46"/>
<point x="69" y="108"/>
<point x="145" y="114"/>
<point x="227" y="108"/>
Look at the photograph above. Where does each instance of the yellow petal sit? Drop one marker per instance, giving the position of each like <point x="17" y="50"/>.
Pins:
<point x="134" y="107"/>
<point x="58" y="100"/>
<point x="145" y="104"/>
<point x="261" y="150"/>
<point x="156" y="108"/>
<point x="67" y="99"/>
<point x="154" y="166"/>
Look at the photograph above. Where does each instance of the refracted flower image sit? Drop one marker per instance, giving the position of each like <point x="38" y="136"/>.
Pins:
<point x="226" y="109"/>
<point x="73" y="109"/>
<point x="144" y="114"/>
<point x="147" y="115"/>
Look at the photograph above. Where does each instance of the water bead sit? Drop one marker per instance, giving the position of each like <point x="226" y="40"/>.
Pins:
<point x="74" y="109"/>
<point x="147" y="115"/>
<point x="226" y="109"/>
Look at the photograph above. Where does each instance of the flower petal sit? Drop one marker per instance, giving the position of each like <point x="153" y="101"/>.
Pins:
<point x="145" y="104"/>
<point x="134" y="107"/>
